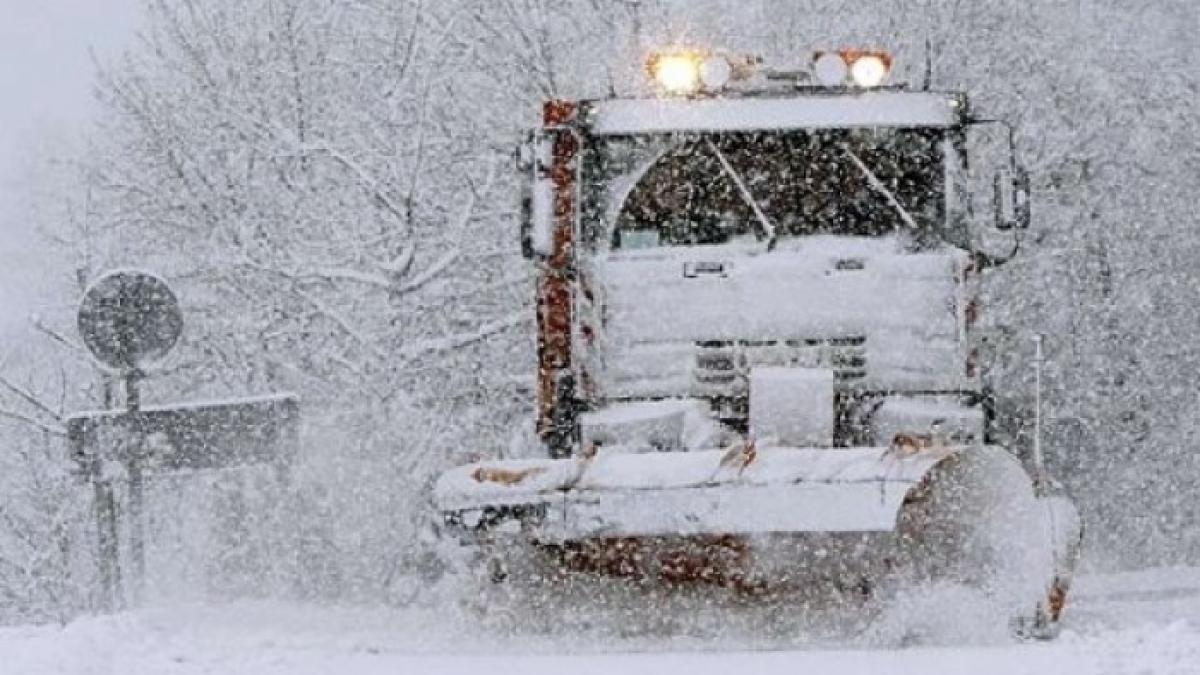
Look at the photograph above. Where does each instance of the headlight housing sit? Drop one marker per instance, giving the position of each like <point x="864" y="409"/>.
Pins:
<point x="691" y="72"/>
<point x="715" y="72"/>
<point x="830" y="69"/>
<point x="852" y="67"/>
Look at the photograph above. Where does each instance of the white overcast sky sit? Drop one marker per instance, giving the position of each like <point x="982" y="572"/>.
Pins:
<point x="45" y="88"/>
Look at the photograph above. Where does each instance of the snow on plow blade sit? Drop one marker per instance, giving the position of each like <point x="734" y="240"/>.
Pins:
<point x="623" y="494"/>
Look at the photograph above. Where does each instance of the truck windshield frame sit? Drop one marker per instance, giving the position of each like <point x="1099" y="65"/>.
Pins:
<point x="667" y="190"/>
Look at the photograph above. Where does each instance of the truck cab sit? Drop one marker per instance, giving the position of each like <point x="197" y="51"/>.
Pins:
<point x="807" y="241"/>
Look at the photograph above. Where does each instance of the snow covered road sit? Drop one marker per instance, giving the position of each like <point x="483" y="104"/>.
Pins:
<point x="1145" y="623"/>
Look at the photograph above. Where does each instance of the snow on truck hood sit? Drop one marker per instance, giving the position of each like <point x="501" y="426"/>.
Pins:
<point x="722" y="293"/>
<point x="902" y="307"/>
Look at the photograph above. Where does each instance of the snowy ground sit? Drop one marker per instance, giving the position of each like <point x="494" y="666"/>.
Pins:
<point x="1142" y="623"/>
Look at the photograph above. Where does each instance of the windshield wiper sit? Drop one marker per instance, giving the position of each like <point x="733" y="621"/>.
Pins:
<point x="879" y="187"/>
<point x="767" y="226"/>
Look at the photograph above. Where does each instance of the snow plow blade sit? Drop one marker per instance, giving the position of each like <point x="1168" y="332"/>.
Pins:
<point x="626" y="494"/>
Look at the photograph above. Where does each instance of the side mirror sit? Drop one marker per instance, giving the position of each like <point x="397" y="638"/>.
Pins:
<point x="1003" y="210"/>
<point x="1022" y="199"/>
<point x="1010" y="199"/>
<point x="991" y="147"/>
<point x="533" y="158"/>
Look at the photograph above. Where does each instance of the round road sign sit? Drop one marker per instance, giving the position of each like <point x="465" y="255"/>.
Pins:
<point x="129" y="318"/>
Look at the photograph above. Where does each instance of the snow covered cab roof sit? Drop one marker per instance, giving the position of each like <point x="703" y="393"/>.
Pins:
<point x="822" y="110"/>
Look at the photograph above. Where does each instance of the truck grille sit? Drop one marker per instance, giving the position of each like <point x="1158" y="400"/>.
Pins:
<point x="723" y="366"/>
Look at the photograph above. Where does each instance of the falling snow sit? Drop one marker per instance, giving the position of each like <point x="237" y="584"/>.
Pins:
<point x="601" y="455"/>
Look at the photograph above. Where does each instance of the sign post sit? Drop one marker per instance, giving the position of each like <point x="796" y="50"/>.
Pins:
<point x="129" y="319"/>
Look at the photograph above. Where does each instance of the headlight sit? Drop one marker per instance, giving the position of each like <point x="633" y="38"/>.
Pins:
<point x="869" y="70"/>
<point x="676" y="73"/>
<point x="715" y="72"/>
<point x="830" y="69"/>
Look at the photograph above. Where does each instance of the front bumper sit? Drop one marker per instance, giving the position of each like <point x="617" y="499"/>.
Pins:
<point x="621" y="494"/>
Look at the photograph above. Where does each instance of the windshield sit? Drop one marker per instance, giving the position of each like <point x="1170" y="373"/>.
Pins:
<point x="693" y="189"/>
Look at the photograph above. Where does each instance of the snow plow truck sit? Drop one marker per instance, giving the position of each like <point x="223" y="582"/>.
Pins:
<point x="758" y="362"/>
